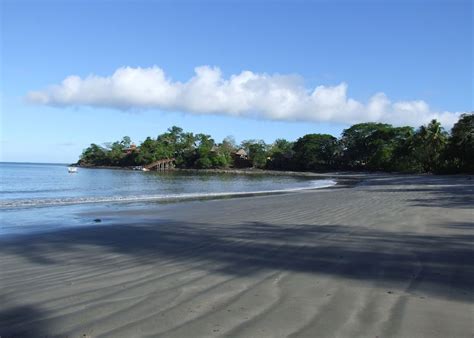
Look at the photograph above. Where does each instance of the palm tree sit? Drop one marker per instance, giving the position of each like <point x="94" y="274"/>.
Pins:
<point x="461" y="147"/>
<point x="430" y="143"/>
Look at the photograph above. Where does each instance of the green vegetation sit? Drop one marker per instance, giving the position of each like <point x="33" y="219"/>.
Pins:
<point x="316" y="152"/>
<point x="373" y="146"/>
<point x="461" y="145"/>
<point x="363" y="146"/>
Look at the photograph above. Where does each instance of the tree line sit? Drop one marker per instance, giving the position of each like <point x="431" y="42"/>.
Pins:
<point x="363" y="146"/>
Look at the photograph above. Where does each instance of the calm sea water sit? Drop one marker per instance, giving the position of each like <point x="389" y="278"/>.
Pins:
<point x="34" y="195"/>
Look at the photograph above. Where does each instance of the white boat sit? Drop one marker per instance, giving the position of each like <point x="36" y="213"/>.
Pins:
<point x="72" y="170"/>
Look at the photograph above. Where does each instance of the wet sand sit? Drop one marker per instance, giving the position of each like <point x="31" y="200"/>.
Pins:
<point x="392" y="256"/>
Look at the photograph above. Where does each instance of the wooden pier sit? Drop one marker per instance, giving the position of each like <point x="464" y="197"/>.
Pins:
<point x="164" y="164"/>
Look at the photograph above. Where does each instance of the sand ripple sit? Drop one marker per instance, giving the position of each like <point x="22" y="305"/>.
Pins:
<point x="391" y="256"/>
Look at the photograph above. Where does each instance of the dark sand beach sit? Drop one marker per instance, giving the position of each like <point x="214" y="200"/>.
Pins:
<point x="392" y="256"/>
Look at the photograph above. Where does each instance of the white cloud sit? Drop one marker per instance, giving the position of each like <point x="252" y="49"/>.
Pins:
<point x="248" y="94"/>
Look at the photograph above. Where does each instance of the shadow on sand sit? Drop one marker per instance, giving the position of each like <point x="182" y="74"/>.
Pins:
<point x="28" y="314"/>
<point x="441" y="265"/>
<point x="438" y="191"/>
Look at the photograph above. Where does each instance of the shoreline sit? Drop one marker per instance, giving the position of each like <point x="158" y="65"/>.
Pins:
<point x="169" y="199"/>
<point x="340" y="175"/>
<point x="254" y="171"/>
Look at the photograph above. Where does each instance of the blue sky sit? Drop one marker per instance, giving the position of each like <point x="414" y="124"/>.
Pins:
<point x="418" y="53"/>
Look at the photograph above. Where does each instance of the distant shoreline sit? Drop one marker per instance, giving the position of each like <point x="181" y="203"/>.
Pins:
<point x="340" y="176"/>
<point x="249" y="171"/>
<point x="334" y="175"/>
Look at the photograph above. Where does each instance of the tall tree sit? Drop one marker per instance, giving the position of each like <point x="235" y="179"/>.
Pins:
<point x="372" y="145"/>
<point x="258" y="154"/>
<point x="147" y="153"/>
<point x="205" y="145"/>
<point x="126" y="141"/>
<point x="94" y="155"/>
<point x="280" y="153"/>
<point x="315" y="152"/>
<point x="461" y="144"/>
<point x="115" y="153"/>
<point x="226" y="149"/>
<point x="245" y="144"/>
<point x="429" y="143"/>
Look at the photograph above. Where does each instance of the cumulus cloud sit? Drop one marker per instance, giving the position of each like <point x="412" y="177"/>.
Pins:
<point x="247" y="94"/>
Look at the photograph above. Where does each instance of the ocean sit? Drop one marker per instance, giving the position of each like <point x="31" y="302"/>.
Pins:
<point x="36" y="196"/>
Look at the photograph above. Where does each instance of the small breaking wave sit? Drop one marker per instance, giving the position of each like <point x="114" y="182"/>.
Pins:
<point x="32" y="203"/>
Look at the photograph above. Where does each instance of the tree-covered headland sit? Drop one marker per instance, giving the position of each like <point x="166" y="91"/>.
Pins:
<point x="363" y="146"/>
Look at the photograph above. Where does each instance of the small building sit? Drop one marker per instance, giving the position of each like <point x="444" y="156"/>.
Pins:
<point x="241" y="159"/>
<point x="130" y="149"/>
<point x="241" y="154"/>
